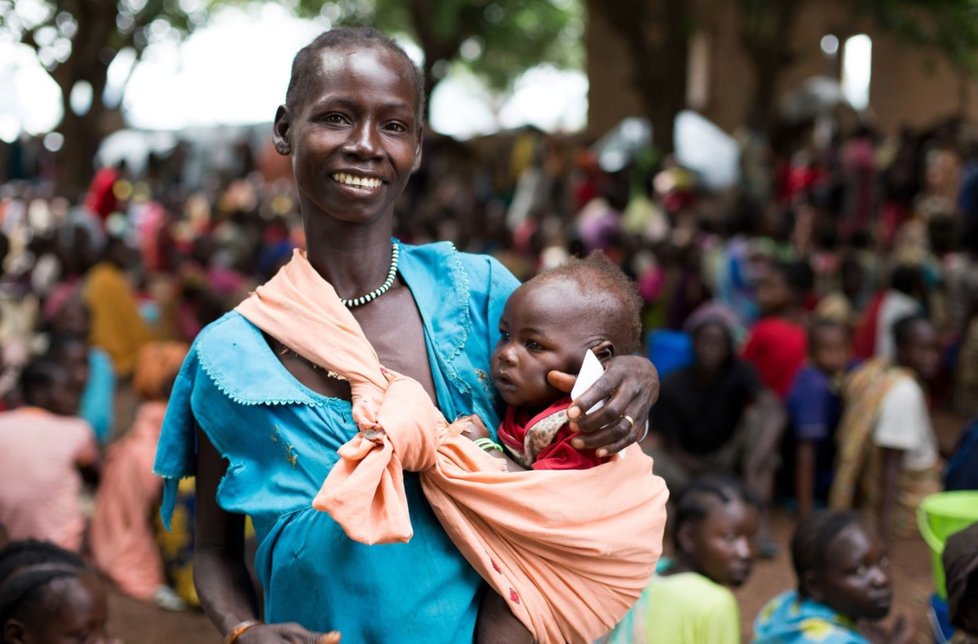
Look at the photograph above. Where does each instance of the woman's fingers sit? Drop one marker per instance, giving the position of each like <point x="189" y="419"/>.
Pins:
<point x="628" y="388"/>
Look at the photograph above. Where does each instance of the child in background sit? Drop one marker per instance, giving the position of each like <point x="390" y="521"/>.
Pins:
<point x="44" y="452"/>
<point x="888" y="460"/>
<point x="814" y="408"/>
<point x="843" y="582"/>
<point x="776" y="344"/>
<point x="688" y="601"/>
<point x="48" y="594"/>
<point x="549" y="323"/>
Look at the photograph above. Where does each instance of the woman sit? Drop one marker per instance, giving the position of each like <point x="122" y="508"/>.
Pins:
<point x="352" y="125"/>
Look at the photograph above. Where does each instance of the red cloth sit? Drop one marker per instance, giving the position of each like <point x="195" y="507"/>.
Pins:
<point x="560" y="454"/>
<point x="777" y="348"/>
<point x="100" y="198"/>
<point x="864" y="337"/>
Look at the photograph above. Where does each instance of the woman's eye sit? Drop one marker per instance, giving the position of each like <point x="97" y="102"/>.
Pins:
<point x="861" y="570"/>
<point x="334" y="118"/>
<point x="396" y="127"/>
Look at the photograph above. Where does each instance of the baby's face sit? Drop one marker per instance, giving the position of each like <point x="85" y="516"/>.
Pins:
<point x="545" y="327"/>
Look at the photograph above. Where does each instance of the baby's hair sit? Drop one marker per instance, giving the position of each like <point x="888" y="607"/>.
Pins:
<point x="903" y="328"/>
<point x="820" y="324"/>
<point x="41" y="373"/>
<point x="27" y="568"/>
<point x="812" y="538"/>
<point x="304" y="64"/>
<point x="699" y="499"/>
<point x="598" y="275"/>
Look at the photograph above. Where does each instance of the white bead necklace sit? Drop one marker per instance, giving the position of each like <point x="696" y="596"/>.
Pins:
<point x="380" y="290"/>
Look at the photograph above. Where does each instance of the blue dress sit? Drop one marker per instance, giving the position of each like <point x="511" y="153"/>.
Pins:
<point x="792" y="619"/>
<point x="98" y="395"/>
<point x="280" y="439"/>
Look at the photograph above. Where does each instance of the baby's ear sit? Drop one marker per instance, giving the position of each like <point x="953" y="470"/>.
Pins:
<point x="604" y="350"/>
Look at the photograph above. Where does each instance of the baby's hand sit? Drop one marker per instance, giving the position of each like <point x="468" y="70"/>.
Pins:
<point x="472" y="427"/>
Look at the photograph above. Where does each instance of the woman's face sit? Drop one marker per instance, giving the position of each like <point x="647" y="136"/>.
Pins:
<point x="355" y="137"/>
<point x="722" y="543"/>
<point x="855" y="580"/>
<point x="74" y="611"/>
<point x="711" y="347"/>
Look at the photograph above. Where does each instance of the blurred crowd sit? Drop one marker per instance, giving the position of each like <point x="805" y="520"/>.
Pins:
<point x="807" y="323"/>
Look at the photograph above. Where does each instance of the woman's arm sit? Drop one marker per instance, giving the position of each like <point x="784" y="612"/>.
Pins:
<point x="497" y="624"/>
<point x="629" y="387"/>
<point x="220" y="576"/>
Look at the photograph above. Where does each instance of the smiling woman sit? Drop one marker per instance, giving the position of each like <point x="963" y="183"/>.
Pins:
<point x="351" y="124"/>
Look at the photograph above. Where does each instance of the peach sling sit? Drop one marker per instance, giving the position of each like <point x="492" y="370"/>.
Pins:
<point x="570" y="551"/>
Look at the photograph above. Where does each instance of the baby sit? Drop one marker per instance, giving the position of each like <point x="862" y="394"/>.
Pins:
<point x="549" y="323"/>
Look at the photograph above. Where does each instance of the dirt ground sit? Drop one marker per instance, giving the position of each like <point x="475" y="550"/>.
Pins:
<point x="139" y="623"/>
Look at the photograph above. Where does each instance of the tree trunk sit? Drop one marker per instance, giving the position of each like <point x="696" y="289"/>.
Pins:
<point x="765" y="34"/>
<point x="656" y="36"/>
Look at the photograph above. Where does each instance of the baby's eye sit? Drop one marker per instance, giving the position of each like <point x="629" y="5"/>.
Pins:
<point x="533" y="345"/>
<point x="503" y="335"/>
<point x="884" y="562"/>
<point x="861" y="570"/>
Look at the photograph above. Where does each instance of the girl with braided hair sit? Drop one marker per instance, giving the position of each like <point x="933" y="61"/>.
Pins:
<point x="48" y="594"/>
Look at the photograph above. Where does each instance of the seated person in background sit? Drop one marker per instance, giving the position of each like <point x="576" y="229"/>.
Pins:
<point x="123" y="543"/>
<point x="688" y="601"/>
<point x="700" y="423"/>
<point x="69" y="320"/>
<point x="549" y="323"/>
<point x="776" y="344"/>
<point x="843" y="586"/>
<point x="44" y="451"/>
<point x="48" y="594"/>
<point x="814" y="407"/>
<point x="887" y="459"/>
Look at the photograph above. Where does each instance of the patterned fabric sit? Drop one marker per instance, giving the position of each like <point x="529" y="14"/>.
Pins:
<point x="281" y="439"/>
<point x="541" y="441"/>
<point x="790" y="619"/>
<point x="859" y="458"/>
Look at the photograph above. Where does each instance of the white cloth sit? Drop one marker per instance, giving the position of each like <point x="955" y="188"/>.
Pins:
<point x="904" y="424"/>
<point x="896" y="305"/>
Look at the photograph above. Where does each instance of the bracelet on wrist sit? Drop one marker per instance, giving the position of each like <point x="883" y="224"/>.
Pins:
<point x="240" y="629"/>
<point x="487" y="444"/>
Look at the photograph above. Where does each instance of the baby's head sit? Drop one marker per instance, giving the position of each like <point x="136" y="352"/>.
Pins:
<point x="840" y="563"/>
<point x="551" y="321"/>
<point x="714" y="527"/>
<point x="47" y="594"/>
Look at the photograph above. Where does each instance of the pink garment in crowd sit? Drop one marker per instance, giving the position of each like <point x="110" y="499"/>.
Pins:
<point x="123" y="542"/>
<point x="40" y="482"/>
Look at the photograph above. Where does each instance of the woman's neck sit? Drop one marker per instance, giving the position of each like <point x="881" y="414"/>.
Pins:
<point x="354" y="258"/>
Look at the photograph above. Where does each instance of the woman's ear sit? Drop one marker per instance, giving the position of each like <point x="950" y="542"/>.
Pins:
<point x="282" y="131"/>
<point x="604" y="350"/>
<point x="13" y="631"/>
<point x="685" y="540"/>
<point x="811" y="587"/>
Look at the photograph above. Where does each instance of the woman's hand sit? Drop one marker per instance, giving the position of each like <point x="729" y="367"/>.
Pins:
<point x="290" y="633"/>
<point x="629" y="387"/>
